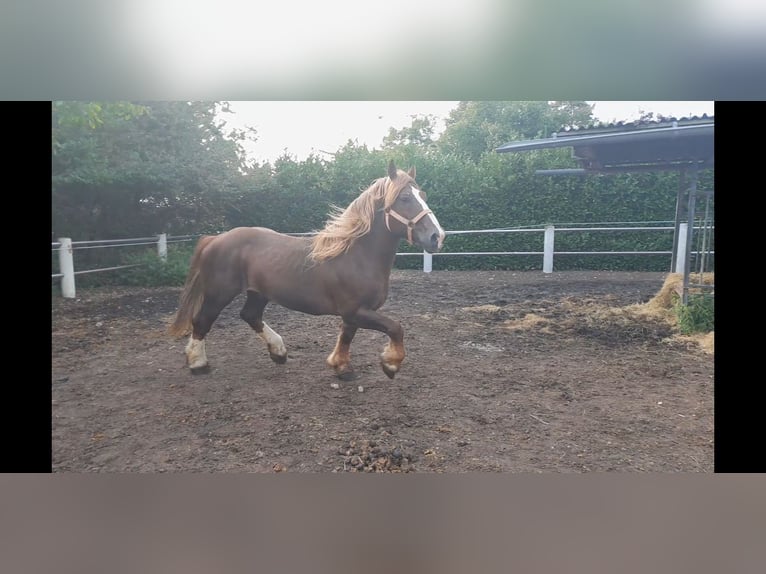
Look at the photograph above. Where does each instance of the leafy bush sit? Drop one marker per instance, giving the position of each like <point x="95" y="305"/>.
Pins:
<point x="698" y="315"/>
<point x="153" y="271"/>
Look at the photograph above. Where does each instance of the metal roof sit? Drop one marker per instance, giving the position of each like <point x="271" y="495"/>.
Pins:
<point x="685" y="145"/>
<point x="668" y="143"/>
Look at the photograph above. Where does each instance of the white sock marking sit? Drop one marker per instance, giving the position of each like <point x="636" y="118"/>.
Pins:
<point x="195" y="353"/>
<point x="273" y="340"/>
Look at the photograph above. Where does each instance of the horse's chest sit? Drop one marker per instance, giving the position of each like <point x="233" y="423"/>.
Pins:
<point x="376" y="296"/>
<point x="367" y="296"/>
<point x="377" y="301"/>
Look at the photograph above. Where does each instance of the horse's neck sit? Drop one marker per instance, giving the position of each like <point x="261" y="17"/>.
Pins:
<point x="377" y="248"/>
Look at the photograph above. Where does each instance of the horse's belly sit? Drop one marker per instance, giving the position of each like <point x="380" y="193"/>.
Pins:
<point x="300" y="292"/>
<point x="305" y="304"/>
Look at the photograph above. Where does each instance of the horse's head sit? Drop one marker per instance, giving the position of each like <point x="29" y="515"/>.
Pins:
<point x="409" y="215"/>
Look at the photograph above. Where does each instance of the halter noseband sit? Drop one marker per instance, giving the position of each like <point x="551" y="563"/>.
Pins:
<point x="409" y="223"/>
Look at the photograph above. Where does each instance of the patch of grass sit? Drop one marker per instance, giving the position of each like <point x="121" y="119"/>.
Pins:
<point x="153" y="272"/>
<point x="698" y="315"/>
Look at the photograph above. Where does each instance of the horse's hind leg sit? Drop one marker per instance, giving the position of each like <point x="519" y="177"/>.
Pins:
<point x="340" y="358"/>
<point x="201" y="324"/>
<point x="252" y="314"/>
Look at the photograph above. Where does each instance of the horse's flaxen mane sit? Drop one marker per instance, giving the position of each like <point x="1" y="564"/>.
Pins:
<point x="347" y="225"/>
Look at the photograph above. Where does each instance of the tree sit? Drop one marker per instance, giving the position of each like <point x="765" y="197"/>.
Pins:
<point x="125" y="169"/>
<point x="475" y="128"/>
<point x="420" y="132"/>
<point x="90" y="114"/>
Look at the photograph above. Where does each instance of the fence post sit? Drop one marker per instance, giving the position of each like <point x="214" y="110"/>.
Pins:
<point x="66" y="265"/>
<point x="162" y="246"/>
<point x="681" y="248"/>
<point x="427" y="261"/>
<point x="548" y="250"/>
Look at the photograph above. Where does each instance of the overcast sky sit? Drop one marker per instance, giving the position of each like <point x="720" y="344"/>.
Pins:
<point x="301" y="128"/>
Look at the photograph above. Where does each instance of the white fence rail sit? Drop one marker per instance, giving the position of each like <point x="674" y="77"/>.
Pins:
<point x="65" y="246"/>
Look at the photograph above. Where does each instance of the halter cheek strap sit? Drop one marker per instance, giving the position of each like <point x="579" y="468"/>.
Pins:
<point x="409" y="223"/>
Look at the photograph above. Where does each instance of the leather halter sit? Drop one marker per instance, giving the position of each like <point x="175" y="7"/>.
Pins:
<point x="409" y="223"/>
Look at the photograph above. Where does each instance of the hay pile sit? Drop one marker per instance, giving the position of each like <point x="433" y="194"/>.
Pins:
<point x="529" y="321"/>
<point x="705" y="341"/>
<point x="673" y="286"/>
<point x="487" y="309"/>
<point x="662" y="304"/>
<point x="656" y="319"/>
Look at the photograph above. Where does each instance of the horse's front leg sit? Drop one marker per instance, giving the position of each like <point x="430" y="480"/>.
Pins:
<point x="340" y="358"/>
<point x="393" y="354"/>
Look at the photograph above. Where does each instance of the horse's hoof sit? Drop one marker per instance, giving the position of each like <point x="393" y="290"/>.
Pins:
<point x="278" y="359"/>
<point x="389" y="370"/>
<point x="347" y="375"/>
<point x="203" y="370"/>
<point x="345" y="372"/>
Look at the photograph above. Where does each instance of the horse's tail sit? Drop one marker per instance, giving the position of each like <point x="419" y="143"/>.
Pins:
<point x="193" y="293"/>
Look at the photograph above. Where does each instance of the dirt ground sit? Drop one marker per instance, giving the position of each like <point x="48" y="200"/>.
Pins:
<point x="505" y="372"/>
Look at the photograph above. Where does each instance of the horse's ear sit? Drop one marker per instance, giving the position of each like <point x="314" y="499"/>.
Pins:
<point x="391" y="169"/>
<point x="411" y="172"/>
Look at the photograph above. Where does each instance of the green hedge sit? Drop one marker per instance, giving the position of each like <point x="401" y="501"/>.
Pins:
<point x="498" y="191"/>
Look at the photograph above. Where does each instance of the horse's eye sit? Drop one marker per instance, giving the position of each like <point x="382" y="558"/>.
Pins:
<point x="406" y="197"/>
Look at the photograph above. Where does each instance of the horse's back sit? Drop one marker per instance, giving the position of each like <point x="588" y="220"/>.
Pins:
<point x="243" y="237"/>
<point x="252" y="254"/>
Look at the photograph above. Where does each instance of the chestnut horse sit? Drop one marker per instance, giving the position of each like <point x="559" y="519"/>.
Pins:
<point x="342" y="270"/>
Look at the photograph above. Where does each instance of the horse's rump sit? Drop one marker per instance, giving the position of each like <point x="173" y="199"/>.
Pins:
<point x="193" y="291"/>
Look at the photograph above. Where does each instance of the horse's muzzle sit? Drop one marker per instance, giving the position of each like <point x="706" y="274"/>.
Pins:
<point x="435" y="243"/>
